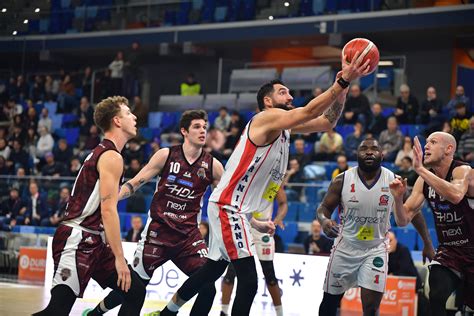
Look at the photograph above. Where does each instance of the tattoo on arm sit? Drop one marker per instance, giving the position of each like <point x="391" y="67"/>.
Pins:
<point x="333" y="94"/>
<point x="105" y="198"/>
<point x="141" y="181"/>
<point x="334" y="112"/>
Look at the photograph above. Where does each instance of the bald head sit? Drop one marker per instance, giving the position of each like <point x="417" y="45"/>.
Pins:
<point x="446" y="138"/>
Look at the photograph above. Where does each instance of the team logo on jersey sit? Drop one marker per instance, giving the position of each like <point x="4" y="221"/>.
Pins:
<point x="384" y="200"/>
<point x="353" y="199"/>
<point x="171" y="178"/>
<point x="204" y="165"/>
<point x="89" y="240"/>
<point x="378" y="262"/>
<point x="187" y="174"/>
<point x="385" y="189"/>
<point x="65" y="274"/>
<point x="202" y="173"/>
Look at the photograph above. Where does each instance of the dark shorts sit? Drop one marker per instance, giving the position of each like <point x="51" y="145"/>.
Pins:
<point x="188" y="255"/>
<point x="461" y="260"/>
<point x="79" y="256"/>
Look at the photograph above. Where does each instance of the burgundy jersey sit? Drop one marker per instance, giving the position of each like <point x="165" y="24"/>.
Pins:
<point x="454" y="222"/>
<point x="178" y="198"/>
<point x="83" y="207"/>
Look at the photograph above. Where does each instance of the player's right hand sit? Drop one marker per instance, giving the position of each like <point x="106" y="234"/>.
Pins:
<point x="356" y="68"/>
<point x="398" y="187"/>
<point x="330" y="228"/>
<point x="123" y="272"/>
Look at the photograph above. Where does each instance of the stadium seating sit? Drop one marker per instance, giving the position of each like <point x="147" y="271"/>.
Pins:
<point x="306" y="78"/>
<point x="246" y="80"/>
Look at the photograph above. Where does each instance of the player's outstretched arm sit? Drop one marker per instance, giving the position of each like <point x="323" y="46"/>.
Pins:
<point x="419" y="223"/>
<point x="151" y="170"/>
<point x="110" y="168"/>
<point x="453" y="191"/>
<point x="404" y="212"/>
<point x="331" y="200"/>
<point x="282" y="208"/>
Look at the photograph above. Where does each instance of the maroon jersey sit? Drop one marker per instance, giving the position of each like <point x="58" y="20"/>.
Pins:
<point x="83" y="207"/>
<point x="454" y="222"/>
<point x="177" y="199"/>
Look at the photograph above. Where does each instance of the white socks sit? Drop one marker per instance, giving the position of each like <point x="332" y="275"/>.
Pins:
<point x="225" y="309"/>
<point x="279" y="310"/>
<point x="172" y="307"/>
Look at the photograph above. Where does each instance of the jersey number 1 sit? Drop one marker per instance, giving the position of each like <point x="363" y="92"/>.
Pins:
<point x="376" y="281"/>
<point x="353" y="187"/>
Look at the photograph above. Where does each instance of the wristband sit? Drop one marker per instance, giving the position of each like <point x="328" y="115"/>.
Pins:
<point x="343" y="83"/>
<point x="130" y="187"/>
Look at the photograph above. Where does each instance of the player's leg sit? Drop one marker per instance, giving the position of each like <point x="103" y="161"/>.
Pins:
<point x="61" y="302"/>
<point x="247" y="283"/>
<point x="330" y="304"/>
<point x="112" y="300"/>
<point x="272" y="285"/>
<point x="442" y="283"/>
<point x="208" y="273"/>
<point x="370" y="301"/>
<point x="227" y="288"/>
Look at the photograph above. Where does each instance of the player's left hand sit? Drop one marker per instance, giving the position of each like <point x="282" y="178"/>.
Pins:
<point x="417" y="155"/>
<point x="267" y="227"/>
<point x="398" y="187"/>
<point x="428" y="252"/>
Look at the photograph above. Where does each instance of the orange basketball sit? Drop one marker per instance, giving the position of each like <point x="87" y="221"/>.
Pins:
<point x="366" y="48"/>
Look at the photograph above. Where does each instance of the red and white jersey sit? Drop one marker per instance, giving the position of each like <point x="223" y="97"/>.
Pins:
<point x="253" y="174"/>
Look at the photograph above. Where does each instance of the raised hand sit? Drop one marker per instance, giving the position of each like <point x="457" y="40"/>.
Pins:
<point x="398" y="187"/>
<point x="417" y="155"/>
<point x="355" y="69"/>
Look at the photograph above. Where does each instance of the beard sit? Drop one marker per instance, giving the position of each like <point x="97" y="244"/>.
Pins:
<point x="369" y="168"/>
<point x="283" y="106"/>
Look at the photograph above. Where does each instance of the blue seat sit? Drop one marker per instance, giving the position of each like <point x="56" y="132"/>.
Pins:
<point x="386" y="112"/>
<point x="407" y="237"/>
<point x="154" y="119"/>
<point x="293" y="209"/>
<point x="122" y="206"/>
<point x="148" y="200"/>
<point x="168" y="121"/>
<point x="345" y="130"/>
<point x="211" y="117"/>
<point x="307" y="213"/>
<point x="52" y="107"/>
<point x="57" y="121"/>
<point x="289" y="234"/>
<point x="146" y="133"/>
<point x="69" y="119"/>
<point x="220" y="14"/>
<point x="72" y="136"/>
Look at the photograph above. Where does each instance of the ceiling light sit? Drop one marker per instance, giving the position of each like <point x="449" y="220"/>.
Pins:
<point x="37" y="10"/>
<point x="4" y="10"/>
<point x="382" y="75"/>
<point x="14" y="32"/>
<point x="25" y="21"/>
<point x="385" y="63"/>
<point x="286" y="4"/>
<point x="270" y="17"/>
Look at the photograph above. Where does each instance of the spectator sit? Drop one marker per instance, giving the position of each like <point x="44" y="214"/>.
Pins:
<point x="391" y="140"/>
<point x="37" y="208"/>
<point x="86" y="82"/>
<point x="190" y="86"/>
<point x="460" y="122"/>
<point x="317" y="243"/>
<point x="446" y="127"/>
<point x="329" y="147"/>
<point x="466" y="144"/>
<point x="53" y="168"/>
<point x="406" y="151"/>
<point x="431" y="111"/>
<point x="303" y="158"/>
<point x="132" y="85"/>
<point x="222" y="122"/>
<point x="37" y="90"/>
<point x="67" y="101"/>
<point x="293" y="175"/>
<point x="378" y="122"/>
<point x="10" y="208"/>
<point x="59" y="209"/>
<point x="5" y="150"/>
<point x="48" y="88"/>
<point x="141" y="112"/>
<point x="45" y="120"/>
<point x="231" y="141"/>
<point x="406" y="171"/>
<point x="116" y="74"/>
<point x="133" y="169"/>
<point x="86" y="117"/>
<point x="154" y="146"/>
<point x="215" y="143"/>
<point x="133" y="150"/>
<point x="342" y="166"/>
<point x="357" y="107"/>
<point x="104" y="84"/>
<point x="31" y="119"/>
<point x="22" y="88"/>
<point x="352" y="141"/>
<point x="4" y="170"/>
<point x="45" y="143"/>
<point x="237" y="121"/>
<point x="74" y="167"/>
<point x="92" y="140"/>
<point x="407" y="106"/>
<point x="12" y="89"/>
<point x="204" y="230"/>
<point x="30" y="142"/>
<point x="18" y="158"/>
<point x="459" y="97"/>
<point x="316" y="92"/>
<point x="63" y="153"/>
<point x="21" y="182"/>
<point x="133" y="235"/>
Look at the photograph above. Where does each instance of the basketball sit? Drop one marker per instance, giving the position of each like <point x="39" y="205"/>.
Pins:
<point x="366" y="48"/>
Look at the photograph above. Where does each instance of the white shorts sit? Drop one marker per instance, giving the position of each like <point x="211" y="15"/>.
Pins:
<point x="230" y="237"/>
<point x="350" y="266"/>
<point x="264" y="245"/>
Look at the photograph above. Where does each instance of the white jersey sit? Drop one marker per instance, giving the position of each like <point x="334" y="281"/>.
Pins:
<point x="253" y="174"/>
<point x="365" y="216"/>
<point x="265" y="215"/>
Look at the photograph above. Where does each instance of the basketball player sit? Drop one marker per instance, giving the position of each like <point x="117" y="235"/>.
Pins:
<point x="252" y="178"/>
<point x="448" y="186"/>
<point x="265" y="250"/>
<point x="171" y="231"/>
<point x="79" y="248"/>
<point x="359" y="256"/>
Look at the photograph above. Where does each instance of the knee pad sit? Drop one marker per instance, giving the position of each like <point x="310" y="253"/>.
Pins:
<point x="269" y="273"/>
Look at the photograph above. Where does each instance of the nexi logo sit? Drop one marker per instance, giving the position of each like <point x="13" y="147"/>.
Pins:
<point x="176" y="206"/>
